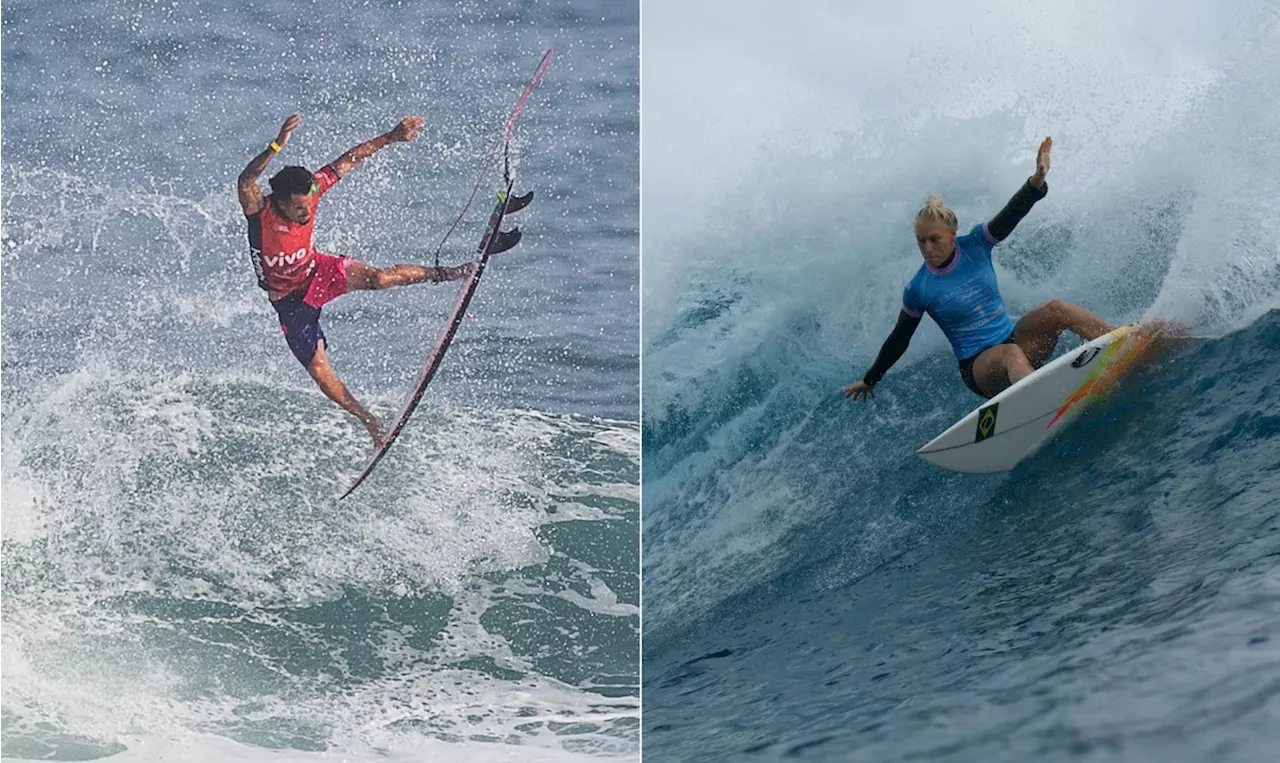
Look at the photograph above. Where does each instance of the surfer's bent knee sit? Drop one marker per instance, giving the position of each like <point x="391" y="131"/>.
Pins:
<point x="1058" y="307"/>
<point x="1051" y="308"/>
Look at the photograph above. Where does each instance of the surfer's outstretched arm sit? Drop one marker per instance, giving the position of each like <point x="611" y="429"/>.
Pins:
<point x="890" y="352"/>
<point x="406" y="131"/>
<point x="1031" y="191"/>
<point x="247" y="189"/>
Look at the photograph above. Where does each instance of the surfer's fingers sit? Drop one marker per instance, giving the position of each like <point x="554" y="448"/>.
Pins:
<point x="411" y="126"/>
<point x="858" y="391"/>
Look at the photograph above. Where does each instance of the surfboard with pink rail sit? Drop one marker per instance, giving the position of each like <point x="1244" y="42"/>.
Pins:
<point x="494" y="240"/>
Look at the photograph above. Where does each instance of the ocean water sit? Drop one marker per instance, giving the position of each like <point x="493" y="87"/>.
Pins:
<point x="815" y="591"/>
<point x="179" y="580"/>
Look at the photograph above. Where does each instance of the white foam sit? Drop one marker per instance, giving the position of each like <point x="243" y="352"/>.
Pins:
<point x="172" y="488"/>
<point x="206" y="748"/>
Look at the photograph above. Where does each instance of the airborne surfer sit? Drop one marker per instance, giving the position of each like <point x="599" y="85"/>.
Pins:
<point x="298" y="280"/>
<point x="956" y="286"/>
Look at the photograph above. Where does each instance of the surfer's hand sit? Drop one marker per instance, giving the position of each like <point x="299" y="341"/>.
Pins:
<point x="287" y="129"/>
<point x="858" y="390"/>
<point x="1042" y="163"/>
<point x="407" y="130"/>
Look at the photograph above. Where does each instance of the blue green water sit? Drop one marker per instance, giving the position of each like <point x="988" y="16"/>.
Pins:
<point x="815" y="591"/>
<point x="178" y="579"/>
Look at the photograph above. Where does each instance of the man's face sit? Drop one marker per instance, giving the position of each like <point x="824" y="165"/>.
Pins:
<point x="297" y="208"/>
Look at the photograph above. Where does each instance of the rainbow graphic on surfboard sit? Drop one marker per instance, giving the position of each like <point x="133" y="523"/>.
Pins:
<point x="1116" y="358"/>
<point x="1011" y="426"/>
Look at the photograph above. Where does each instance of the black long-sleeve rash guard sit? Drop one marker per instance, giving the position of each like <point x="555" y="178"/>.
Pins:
<point x="999" y="227"/>
<point x="1008" y="218"/>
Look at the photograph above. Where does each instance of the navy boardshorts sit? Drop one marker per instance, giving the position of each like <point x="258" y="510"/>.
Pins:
<point x="300" y="323"/>
<point x="966" y="367"/>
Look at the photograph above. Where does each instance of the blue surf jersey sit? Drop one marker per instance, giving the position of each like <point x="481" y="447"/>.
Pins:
<point x="962" y="298"/>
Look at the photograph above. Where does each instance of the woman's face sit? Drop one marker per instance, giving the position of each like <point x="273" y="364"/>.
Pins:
<point x="936" y="241"/>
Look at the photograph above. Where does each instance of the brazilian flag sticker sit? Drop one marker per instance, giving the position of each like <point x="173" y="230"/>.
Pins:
<point x="986" y="422"/>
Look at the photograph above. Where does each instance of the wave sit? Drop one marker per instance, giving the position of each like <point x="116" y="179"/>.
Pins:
<point x="176" y="562"/>
<point x="778" y="272"/>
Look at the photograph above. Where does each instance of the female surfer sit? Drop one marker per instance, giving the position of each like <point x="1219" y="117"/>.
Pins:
<point x="956" y="285"/>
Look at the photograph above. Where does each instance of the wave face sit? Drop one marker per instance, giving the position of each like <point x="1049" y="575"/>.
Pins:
<point x="815" y="590"/>
<point x="179" y="581"/>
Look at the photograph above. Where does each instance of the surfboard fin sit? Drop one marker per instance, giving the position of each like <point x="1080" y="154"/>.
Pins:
<point x="517" y="203"/>
<point x="504" y="240"/>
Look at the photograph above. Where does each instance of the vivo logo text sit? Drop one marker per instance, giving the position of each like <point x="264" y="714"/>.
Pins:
<point x="285" y="259"/>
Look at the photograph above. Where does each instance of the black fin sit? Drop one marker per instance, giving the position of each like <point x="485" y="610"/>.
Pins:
<point x="504" y="240"/>
<point x="517" y="203"/>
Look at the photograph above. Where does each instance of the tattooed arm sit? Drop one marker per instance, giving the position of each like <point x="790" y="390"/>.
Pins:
<point x="247" y="184"/>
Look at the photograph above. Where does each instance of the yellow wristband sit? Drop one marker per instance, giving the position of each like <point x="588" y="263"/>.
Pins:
<point x="274" y="146"/>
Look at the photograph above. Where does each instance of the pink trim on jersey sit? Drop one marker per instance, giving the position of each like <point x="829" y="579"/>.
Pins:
<point x="911" y="312"/>
<point x="990" y="238"/>
<point x="955" y="260"/>
<point x="329" y="280"/>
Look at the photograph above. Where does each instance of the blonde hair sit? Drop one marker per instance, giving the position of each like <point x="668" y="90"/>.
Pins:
<point x="935" y="211"/>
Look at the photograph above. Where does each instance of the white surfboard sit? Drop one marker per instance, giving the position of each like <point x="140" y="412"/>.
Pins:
<point x="1019" y="421"/>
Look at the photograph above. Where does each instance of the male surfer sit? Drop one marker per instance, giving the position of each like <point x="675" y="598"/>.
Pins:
<point x="299" y="280"/>
<point x="956" y="285"/>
